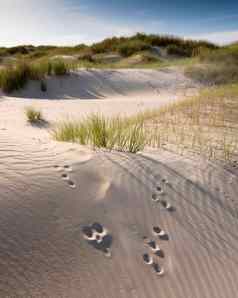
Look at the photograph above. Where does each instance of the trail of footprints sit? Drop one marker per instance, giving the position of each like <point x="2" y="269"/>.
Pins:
<point x="155" y="252"/>
<point x="99" y="237"/>
<point x="157" y="197"/>
<point x="155" y="249"/>
<point x="65" y="176"/>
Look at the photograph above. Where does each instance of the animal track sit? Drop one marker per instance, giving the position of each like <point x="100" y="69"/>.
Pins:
<point x="155" y="249"/>
<point x="71" y="184"/>
<point x="68" y="168"/>
<point x="58" y="168"/>
<point x="158" y="270"/>
<point x="99" y="237"/>
<point x="159" y="190"/>
<point x="65" y="176"/>
<point x="167" y="205"/>
<point x="157" y="231"/>
<point x="155" y="197"/>
<point x="147" y="259"/>
<point x="165" y="181"/>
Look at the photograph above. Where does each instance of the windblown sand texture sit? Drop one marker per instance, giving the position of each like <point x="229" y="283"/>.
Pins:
<point x="79" y="223"/>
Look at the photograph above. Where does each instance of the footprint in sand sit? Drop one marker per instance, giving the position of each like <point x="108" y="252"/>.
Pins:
<point x="58" y="168"/>
<point x="65" y="176"/>
<point x="99" y="237"/>
<point x="71" y="183"/>
<point x="148" y="260"/>
<point x="155" y="198"/>
<point x="158" y="270"/>
<point x="68" y="168"/>
<point x="167" y="205"/>
<point x="159" y="190"/>
<point x="157" y="231"/>
<point x="165" y="181"/>
<point x="155" y="248"/>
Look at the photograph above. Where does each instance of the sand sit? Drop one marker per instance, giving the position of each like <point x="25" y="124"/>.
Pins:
<point x="51" y="193"/>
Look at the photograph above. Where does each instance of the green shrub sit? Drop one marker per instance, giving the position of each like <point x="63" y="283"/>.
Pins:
<point x="59" y="68"/>
<point x="179" y="50"/>
<point x="131" y="47"/>
<point x="33" y="116"/>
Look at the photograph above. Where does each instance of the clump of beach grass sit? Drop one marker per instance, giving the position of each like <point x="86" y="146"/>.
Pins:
<point x="59" y="68"/>
<point x="33" y="116"/>
<point x="13" y="78"/>
<point x="101" y="132"/>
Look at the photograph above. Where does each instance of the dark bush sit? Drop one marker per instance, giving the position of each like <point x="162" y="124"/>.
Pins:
<point x="131" y="47"/>
<point x="177" y="50"/>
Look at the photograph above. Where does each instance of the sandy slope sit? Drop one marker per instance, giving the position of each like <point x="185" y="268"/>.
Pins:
<point x="43" y="252"/>
<point x="50" y="192"/>
<point x="98" y="91"/>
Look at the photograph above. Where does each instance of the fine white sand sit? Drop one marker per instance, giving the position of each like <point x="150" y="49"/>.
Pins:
<point x="51" y="193"/>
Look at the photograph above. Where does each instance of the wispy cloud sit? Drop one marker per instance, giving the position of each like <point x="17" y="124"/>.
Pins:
<point x="62" y="23"/>
<point x="54" y="22"/>
<point x="221" y="38"/>
<point x="220" y="18"/>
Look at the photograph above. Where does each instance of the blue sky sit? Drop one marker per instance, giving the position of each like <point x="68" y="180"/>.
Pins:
<point x="69" y="22"/>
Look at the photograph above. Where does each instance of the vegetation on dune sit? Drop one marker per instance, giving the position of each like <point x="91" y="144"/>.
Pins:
<point x="114" y="44"/>
<point x="206" y="124"/>
<point x="216" y="66"/>
<point x="33" y="116"/>
<point x="101" y="132"/>
<point x="27" y="62"/>
<point x="132" y="45"/>
<point x="16" y="77"/>
<point x="129" y="48"/>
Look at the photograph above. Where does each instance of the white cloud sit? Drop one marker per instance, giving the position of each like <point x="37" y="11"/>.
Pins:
<point x="221" y="38"/>
<point x="54" y="22"/>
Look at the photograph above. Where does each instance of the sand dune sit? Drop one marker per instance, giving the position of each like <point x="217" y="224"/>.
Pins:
<point x="111" y="92"/>
<point x="80" y="223"/>
<point x="99" y="84"/>
<point x="43" y="250"/>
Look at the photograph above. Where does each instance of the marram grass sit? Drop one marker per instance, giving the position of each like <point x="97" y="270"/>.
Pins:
<point x="33" y="116"/>
<point x="16" y="77"/>
<point x="101" y="132"/>
<point x="206" y="124"/>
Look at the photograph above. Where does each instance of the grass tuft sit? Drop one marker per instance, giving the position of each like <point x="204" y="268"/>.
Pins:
<point x="33" y="116"/>
<point x="13" y="78"/>
<point x="101" y="132"/>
